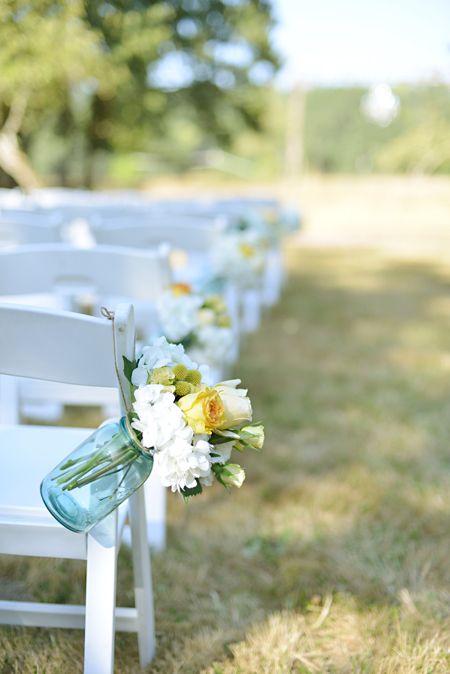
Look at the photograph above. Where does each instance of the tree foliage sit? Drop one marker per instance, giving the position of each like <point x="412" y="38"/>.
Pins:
<point x="340" y="138"/>
<point x="118" y="75"/>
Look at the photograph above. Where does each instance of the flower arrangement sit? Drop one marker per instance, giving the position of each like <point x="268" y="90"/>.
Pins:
<point x="189" y="428"/>
<point x="241" y="256"/>
<point x="281" y="222"/>
<point x="200" y="323"/>
<point x="268" y="224"/>
<point x="175" y="424"/>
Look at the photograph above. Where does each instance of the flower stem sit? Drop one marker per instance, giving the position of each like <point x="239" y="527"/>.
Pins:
<point x="101" y="464"/>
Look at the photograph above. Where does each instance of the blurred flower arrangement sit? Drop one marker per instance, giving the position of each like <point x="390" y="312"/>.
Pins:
<point x="199" y="322"/>
<point x="281" y="222"/>
<point x="246" y="241"/>
<point x="241" y="256"/>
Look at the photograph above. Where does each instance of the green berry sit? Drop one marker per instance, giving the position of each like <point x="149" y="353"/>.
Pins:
<point x="180" y="371"/>
<point x="183" y="388"/>
<point x="194" y="377"/>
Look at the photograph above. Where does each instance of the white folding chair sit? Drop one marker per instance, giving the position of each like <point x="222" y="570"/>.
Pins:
<point x="76" y="349"/>
<point x="193" y="238"/>
<point x="103" y="272"/>
<point x="25" y="231"/>
<point x="56" y="275"/>
<point x="110" y="274"/>
<point x="274" y="271"/>
<point x="191" y="243"/>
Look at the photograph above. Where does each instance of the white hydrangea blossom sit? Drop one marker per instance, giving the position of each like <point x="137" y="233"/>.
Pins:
<point x="214" y="346"/>
<point x="184" y="315"/>
<point x="180" y="457"/>
<point x="178" y="314"/>
<point x="206" y="317"/>
<point x="159" y="418"/>
<point x="159" y="354"/>
<point x="180" y="463"/>
<point x="240" y="257"/>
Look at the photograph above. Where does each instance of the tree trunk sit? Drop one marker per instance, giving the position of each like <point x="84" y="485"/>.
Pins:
<point x="95" y="141"/>
<point x="15" y="162"/>
<point x="295" y="132"/>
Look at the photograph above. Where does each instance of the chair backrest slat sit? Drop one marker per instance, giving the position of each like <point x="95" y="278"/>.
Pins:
<point x="188" y="237"/>
<point x="62" y="346"/>
<point x="107" y="270"/>
<point x="12" y="232"/>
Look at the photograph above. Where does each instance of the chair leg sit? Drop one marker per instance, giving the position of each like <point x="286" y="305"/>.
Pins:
<point x="143" y="589"/>
<point x="251" y="310"/>
<point x="155" y="510"/>
<point x="9" y="400"/>
<point x="100" y="605"/>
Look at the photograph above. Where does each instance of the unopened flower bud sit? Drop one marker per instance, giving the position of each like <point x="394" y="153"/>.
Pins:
<point x="232" y="475"/>
<point x="252" y="436"/>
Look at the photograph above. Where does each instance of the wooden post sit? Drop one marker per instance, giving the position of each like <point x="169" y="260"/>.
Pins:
<point x="294" y="132"/>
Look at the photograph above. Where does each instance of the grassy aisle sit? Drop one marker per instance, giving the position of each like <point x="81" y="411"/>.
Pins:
<point x="335" y="555"/>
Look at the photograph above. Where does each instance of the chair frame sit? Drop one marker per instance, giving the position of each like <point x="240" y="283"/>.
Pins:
<point x="107" y="271"/>
<point x="25" y="531"/>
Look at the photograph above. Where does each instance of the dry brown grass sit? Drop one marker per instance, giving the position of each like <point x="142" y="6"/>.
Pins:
<point x="403" y="214"/>
<point x="334" y="556"/>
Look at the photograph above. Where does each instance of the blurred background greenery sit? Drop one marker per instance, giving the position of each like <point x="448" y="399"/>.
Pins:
<point x="115" y="93"/>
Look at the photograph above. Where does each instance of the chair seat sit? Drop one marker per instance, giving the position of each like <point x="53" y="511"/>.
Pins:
<point x="27" y="454"/>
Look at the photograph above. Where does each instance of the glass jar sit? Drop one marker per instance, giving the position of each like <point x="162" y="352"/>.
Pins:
<point x="96" y="477"/>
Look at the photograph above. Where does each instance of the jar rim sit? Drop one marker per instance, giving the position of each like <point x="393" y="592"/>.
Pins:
<point x="126" y="426"/>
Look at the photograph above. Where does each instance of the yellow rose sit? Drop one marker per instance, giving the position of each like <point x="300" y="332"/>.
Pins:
<point x="204" y="411"/>
<point x="216" y="303"/>
<point x="236" y="404"/>
<point x="247" y="250"/>
<point x="224" y="321"/>
<point x="206" y="316"/>
<point x="181" y="289"/>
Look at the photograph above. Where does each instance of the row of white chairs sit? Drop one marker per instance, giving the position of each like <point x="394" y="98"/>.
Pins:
<point x="189" y="233"/>
<point x="51" y="355"/>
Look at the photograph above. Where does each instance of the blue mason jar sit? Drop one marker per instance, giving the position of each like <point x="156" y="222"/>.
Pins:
<point x="96" y="477"/>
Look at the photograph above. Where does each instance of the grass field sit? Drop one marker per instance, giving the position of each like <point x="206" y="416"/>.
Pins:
<point x="334" y="557"/>
<point x="402" y="214"/>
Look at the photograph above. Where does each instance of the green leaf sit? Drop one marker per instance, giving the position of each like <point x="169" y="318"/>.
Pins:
<point x="128" y="367"/>
<point x="189" y="340"/>
<point x="218" y="469"/>
<point x="219" y="437"/>
<point x="191" y="491"/>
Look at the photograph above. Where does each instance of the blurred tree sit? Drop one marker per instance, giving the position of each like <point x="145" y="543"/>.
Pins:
<point x="338" y="135"/>
<point x="340" y="138"/>
<point x="423" y="142"/>
<point x="116" y="75"/>
<point x="45" y="49"/>
<point x="194" y="64"/>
